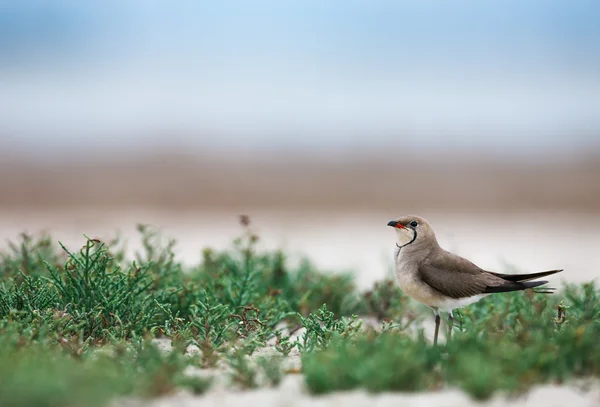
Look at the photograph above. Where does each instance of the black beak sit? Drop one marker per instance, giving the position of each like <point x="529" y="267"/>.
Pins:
<point x="392" y="223"/>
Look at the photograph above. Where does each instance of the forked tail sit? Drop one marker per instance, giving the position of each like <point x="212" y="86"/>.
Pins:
<point x="518" y="282"/>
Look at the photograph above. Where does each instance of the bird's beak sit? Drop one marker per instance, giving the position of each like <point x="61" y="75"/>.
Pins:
<point x="395" y="224"/>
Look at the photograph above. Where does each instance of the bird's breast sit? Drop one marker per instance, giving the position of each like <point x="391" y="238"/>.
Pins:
<point x="412" y="285"/>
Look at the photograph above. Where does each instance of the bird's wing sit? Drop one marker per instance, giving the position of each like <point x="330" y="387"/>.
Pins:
<point x="456" y="277"/>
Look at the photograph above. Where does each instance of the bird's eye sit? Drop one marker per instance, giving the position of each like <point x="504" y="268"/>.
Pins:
<point x="414" y="224"/>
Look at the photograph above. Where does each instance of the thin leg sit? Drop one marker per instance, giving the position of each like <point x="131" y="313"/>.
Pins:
<point x="437" y="326"/>
<point x="450" y="324"/>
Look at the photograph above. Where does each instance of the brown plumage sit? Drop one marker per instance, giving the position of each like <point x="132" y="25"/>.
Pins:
<point x="443" y="280"/>
<point x="457" y="277"/>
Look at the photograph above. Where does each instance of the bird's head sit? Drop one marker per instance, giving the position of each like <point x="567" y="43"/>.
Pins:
<point x="413" y="231"/>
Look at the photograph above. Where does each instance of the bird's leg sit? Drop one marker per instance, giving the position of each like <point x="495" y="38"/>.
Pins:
<point x="436" y="313"/>
<point x="450" y="324"/>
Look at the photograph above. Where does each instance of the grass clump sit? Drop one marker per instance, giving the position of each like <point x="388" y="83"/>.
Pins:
<point x="321" y="328"/>
<point x="36" y="370"/>
<point x="101" y="298"/>
<point x="32" y="377"/>
<point x="376" y="362"/>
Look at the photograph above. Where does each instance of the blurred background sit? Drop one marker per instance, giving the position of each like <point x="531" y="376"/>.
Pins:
<point x="320" y="120"/>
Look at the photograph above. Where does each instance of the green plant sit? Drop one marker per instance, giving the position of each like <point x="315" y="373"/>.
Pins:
<point x="243" y="373"/>
<point x="385" y="301"/>
<point x="388" y="362"/>
<point x="283" y="344"/>
<point x="271" y="369"/>
<point x="322" y="327"/>
<point x="100" y="297"/>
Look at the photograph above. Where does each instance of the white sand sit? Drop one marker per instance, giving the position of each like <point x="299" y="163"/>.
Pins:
<point x="291" y="394"/>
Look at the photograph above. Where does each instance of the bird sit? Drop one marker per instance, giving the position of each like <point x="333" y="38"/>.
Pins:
<point x="445" y="281"/>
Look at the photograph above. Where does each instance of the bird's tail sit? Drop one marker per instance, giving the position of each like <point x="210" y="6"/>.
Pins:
<point x="518" y="282"/>
<point x="520" y="278"/>
<point x="542" y="290"/>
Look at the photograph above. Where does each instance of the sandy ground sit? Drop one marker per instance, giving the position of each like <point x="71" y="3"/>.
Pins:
<point x="359" y="242"/>
<point x="291" y="393"/>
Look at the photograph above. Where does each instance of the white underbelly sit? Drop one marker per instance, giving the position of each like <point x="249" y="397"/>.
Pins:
<point x="448" y="304"/>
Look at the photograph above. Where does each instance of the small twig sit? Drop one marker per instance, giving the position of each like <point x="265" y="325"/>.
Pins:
<point x="561" y="314"/>
<point x="248" y="324"/>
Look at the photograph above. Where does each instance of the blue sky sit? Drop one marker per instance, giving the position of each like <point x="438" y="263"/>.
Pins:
<point x="301" y="73"/>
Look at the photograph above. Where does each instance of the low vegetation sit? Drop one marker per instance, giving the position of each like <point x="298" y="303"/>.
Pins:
<point x="82" y="326"/>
